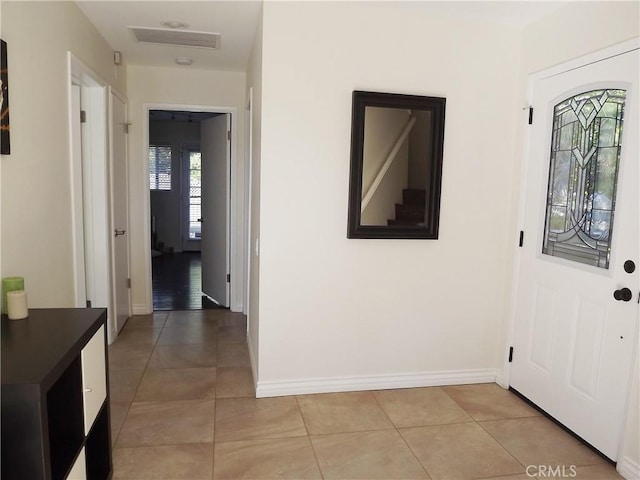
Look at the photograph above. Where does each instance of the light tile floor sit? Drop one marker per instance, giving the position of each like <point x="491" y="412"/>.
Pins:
<point x="183" y="407"/>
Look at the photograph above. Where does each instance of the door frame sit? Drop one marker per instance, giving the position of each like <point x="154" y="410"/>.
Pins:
<point x="235" y="241"/>
<point x="90" y="200"/>
<point x="248" y="185"/>
<point x="573" y="64"/>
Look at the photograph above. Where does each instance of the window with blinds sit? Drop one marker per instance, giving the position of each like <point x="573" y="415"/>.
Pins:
<point x="160" y="167"/>
<point x="195" y="195"/>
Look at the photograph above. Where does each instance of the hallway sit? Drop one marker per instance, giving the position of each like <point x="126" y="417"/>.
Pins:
<point x="177" y="282"/>
<point x="183" y="407"/>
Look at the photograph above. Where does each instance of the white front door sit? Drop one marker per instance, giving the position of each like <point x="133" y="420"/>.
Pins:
<point x="215" y="146"/>
<point x="573" y="339"/>
<point x="120" y="211"/>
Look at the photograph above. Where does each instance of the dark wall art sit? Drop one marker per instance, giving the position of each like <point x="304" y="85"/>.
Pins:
<point x="5" y="146"/>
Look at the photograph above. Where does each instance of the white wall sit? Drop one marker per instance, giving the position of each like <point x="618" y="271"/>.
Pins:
<point x="168" y="206"/>
<point x="192" y="87"/>
<point x="36" y="180"/>
<point x="575" y="30"/>
<point x="367" y="313"/>
<point x="254" y="82"/>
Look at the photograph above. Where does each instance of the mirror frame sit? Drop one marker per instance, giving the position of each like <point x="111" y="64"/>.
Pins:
<point x="436" y="105"/>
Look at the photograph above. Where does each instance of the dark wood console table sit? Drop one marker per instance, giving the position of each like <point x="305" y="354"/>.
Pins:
<point x="55" y="396"/>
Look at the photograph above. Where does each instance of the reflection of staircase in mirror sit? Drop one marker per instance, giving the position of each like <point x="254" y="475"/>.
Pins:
<point x="411" y="211"/>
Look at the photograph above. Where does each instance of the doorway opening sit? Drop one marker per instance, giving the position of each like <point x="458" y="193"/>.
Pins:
<point x="177" y="184"/>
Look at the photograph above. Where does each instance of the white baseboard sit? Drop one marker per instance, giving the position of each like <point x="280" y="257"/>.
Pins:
<point x="237" y="307"/>
<point x="141" y="309"/>
<point x="500" y="379"/>
<point x="373" y="382"/>
<point x="628" y="468"/>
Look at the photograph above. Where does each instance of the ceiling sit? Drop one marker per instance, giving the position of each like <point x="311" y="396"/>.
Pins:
<point x="237" y="21"/>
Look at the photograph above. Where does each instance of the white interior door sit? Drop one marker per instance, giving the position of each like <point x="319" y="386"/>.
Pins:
<point x="215" y="146"/>
<point x="77" y="202"/>
<point x="573" y="341"/>
<point x="119" y="211"/>
<point x="95" y="194"/>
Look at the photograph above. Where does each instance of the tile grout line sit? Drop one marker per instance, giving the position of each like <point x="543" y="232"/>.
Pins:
<point x="144" y="370"/>
<point x="477" y="422"/>
<point x="481" y="422"/>
<point x="215" y="406"/>
<point x="308" y="436"/>
<point x="397" y="430"/>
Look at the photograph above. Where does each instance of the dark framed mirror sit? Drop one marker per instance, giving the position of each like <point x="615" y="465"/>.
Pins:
<point x="396" y="165"/>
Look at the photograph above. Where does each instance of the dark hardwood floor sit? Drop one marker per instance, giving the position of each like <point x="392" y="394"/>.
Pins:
<point x="177" y="282"/>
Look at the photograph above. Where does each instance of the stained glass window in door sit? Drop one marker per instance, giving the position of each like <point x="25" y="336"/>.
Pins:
<point x="581" y="194"/>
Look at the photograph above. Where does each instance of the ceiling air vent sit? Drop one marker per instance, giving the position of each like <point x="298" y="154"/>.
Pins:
<point x="182" y="38"/>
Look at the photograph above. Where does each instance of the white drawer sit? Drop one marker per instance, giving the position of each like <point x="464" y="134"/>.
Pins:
<point x="94" y="379"/>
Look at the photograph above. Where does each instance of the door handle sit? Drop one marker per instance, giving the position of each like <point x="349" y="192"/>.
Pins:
<point x="117" y="232"/>
<point x="623" y="294"/>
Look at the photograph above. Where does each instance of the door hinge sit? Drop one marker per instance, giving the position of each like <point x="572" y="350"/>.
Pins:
<point x="128" y="283"/>
<point x="83" y="116"/>
<point x="126" y="128"/>
<point x="228" y="278"/>
<point x="228" y="134"/>
<point x="88" y="303"/>
<point x="521" y="241"/>
<point x="530" y="115"/>
<point x="510" y="354"/>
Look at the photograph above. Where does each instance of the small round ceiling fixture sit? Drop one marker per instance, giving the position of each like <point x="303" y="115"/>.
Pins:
<point x="174" y="24"/>
<point x="184" y="60"/>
